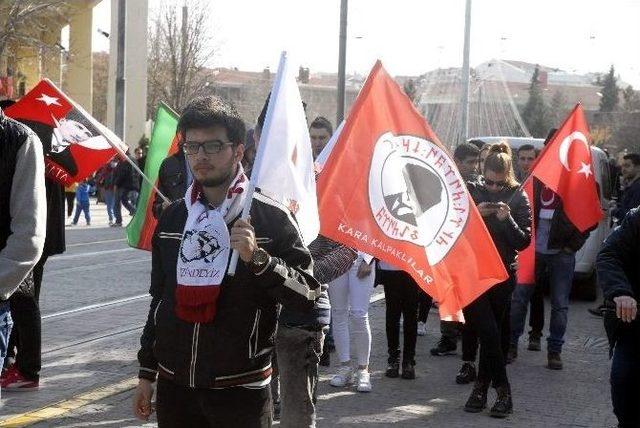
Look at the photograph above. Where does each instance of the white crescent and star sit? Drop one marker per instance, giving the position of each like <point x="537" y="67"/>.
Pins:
<point x="563" y="153"/>
<point x="48" y="100"/>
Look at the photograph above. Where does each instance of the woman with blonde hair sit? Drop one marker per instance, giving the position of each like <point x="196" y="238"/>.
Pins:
<point x="506" y="212"/>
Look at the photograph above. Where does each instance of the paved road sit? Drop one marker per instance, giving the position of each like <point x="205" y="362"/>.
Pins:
<point x="90" y="348"/>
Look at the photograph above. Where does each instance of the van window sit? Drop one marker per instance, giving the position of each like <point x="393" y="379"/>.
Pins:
<point x="606" y="179"/>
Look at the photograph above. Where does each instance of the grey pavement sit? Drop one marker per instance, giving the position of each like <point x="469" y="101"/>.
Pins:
<point x="78" y="358"/>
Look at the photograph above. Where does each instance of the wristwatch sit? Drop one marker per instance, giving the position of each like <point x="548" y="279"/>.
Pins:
<point x="259" y="260"/>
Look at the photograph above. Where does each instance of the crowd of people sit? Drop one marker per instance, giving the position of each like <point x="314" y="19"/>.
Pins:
<point x="212" y="341"/>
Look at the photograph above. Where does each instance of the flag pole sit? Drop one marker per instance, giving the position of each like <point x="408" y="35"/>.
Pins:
<point x="255" y="171"/>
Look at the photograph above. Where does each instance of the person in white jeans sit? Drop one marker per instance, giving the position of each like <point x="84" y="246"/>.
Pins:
<point x="349" y="295"/>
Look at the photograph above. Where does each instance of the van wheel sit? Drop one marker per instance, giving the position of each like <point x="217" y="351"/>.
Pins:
<point x="586" y="288"/>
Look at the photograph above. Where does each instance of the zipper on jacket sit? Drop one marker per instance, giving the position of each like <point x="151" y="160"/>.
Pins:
<point x="194" y="355"/>
<point x="253" y="338"/>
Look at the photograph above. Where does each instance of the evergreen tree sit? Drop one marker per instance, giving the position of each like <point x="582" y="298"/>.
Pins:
<point x="536" y="113"/>
<point x="557" y="110"/>
<point x="631" y="99"/>
<point x="610" y="92"/>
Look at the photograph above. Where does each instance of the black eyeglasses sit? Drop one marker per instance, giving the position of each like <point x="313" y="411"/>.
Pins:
<point x="494" y="183"/>
<point x="212" y="147"/>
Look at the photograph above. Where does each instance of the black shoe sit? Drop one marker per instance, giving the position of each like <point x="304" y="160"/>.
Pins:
<point x="477" y="401"/>
<point x="325" y="358"/>
<point x="534" y="344"/>
<point x="393" y="369"/>
<point x="445" y="347"/>
<point x="408" y="370"/>
<point x="512" y="354"/>
<point x="504" y="405"/>
<point x="598" y="312"/>
<point x="554" y="362"/>
<point x="467" y="374"/>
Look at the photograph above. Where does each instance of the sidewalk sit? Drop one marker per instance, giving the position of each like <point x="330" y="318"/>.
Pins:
<point x="578" y="396"/>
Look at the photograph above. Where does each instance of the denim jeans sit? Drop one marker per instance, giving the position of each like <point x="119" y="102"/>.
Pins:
<point x="625" y="378"/>
<point x="110" y="200"/>
<point x="299" y="352"/>
<point x="5" y="330"/>
<point x="82" y="207"/>
<point x="559" y="268"/>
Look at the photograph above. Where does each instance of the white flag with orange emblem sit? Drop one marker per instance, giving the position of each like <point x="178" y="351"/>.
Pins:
<point x="283" y="168"/>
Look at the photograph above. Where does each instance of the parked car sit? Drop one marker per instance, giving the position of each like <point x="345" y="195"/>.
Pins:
<point x="584" y="286"/>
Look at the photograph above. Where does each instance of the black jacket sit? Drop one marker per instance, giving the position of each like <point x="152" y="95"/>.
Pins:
<point x="563" y="233"/>
<point x="513" y="234"/>
<point x="125" y="177"/>
<point x="235" y="348"/>
<point x="618" y="270"/>
<point x="172" y="180"/>
<point x="629" y="200"/>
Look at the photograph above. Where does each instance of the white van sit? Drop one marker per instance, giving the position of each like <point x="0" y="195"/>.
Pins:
<point x="585" y="275"/>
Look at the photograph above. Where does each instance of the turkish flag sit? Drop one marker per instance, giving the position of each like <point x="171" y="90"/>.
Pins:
<point x="390" y="189"/>
<point x="75" y="144"/>
<point x="565" y="167"/>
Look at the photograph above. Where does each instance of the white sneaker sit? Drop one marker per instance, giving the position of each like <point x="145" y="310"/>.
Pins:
<point x="343" y="377"/>
<point x="422" y="328"/>
<point x="363" y="381"/>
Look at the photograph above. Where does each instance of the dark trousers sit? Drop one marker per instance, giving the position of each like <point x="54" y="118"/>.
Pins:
<point x="486" y="316"/>
<point x="536" y="312"/>
<point x="402" y="295"/>
<point x="450" y="330"/>
<point x="70" y="198"/>
<point x="424" y="306"/>
<point x="26" y="335"/>
<point x="469" y="343"/>
<point x="123" y="198"/>
<point x="179" y="406"/>
<point x="625" y="379"/>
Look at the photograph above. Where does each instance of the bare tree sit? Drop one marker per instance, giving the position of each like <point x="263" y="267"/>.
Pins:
<point x="179" y="47"/>
<point x="23" y="22"/>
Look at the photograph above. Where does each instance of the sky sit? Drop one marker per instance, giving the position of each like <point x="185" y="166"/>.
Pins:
<point x="415" y="36"/>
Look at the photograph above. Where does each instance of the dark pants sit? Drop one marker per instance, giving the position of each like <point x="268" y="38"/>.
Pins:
<point x="124" y="198"/>
<point x="180" y="406"/>
<point x="424" y="306"/>
<point x="469" y="343"/>
<point x="450" y="330"/>
<point x="625" y="379"/>
<point x="299" y="352"/>
<point x="486" y="315"/>
<point x="536" y="312"/>
<point x="26" y="336"/>
<point x="70" y="198"/>
<point x="402" y="295"/>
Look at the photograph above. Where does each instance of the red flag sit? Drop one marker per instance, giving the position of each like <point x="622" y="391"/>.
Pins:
<point x="565" y="167"/>
<point x="75" y="144"/>
<point x="527" y="257"/>
<point x="390" y="189"/>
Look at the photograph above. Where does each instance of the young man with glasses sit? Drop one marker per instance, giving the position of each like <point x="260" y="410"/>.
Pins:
<point x="209" y="336"/>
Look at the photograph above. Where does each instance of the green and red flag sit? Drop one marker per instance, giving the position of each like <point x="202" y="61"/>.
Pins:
<point x="164" y="143"/>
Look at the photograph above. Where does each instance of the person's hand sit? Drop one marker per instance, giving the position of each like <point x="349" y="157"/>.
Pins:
<point x="626" y="308"/>
<point x="364" y="270"/>
<point x="503" y="212"/>
<point x="165" y="204"/>
<point x="486" y="209"/>
<point x="243" y="239"/>
<point x="142" y="400"/>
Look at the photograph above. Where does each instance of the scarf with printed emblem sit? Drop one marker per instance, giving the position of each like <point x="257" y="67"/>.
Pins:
<point x="205" y="249"/>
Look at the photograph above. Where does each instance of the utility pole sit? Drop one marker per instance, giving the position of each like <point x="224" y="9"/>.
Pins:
<point x="465" y="74"/>
<point x="342" y="61"/>
<point x="120" y="93"/>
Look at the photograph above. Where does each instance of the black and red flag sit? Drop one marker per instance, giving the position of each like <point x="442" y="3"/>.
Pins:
<point x="75" y="144"/>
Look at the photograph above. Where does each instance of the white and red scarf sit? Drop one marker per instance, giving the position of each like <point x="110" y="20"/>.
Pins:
<point x="205" y="249"/>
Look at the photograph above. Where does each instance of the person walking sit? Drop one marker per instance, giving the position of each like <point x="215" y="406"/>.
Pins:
<point x="506" y="212"/>
<point x="209" y="337"/>
<point x="82" y="203"/>
<point x="349" y="296"/>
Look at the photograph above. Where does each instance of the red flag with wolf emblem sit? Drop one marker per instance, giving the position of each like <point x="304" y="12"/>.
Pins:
<point x="75" y="144"/>
<point x="390" y="189"/>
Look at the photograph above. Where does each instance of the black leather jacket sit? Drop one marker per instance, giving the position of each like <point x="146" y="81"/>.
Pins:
<point x="235" y="348"/>
<point x="172" y="180"/>
<point x="513" y="234"/>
